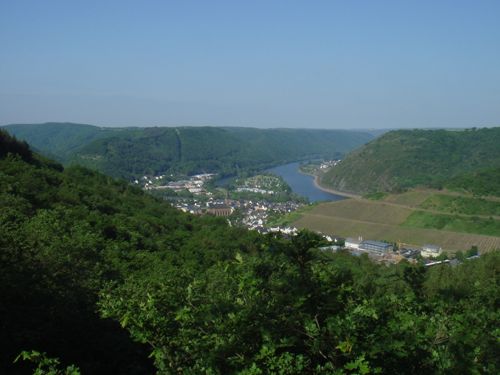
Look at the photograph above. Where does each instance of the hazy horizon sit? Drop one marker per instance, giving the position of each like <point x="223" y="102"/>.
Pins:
<point x="325" y="65"/>
<point x="366" y="129"/>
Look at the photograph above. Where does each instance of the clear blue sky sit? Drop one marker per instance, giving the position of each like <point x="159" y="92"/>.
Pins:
<point x="321" y="64"/>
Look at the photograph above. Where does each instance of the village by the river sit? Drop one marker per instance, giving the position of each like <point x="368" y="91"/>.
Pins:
<point x="259" y="202"/>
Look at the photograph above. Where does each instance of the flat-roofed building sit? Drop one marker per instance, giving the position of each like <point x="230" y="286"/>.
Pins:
<point x="377" y="246"/>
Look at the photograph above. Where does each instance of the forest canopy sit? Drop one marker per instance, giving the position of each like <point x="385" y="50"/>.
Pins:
<point x="111" y="280"/>
<point x="133" y="152"/>
<point x="465" y="160"/>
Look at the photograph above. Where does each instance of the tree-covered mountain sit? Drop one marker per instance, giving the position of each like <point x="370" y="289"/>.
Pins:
<point x="132" y="152"/>
<point x="433" y="158"/>
<point x="59" y="140"/>
<point x="101" y="275"/>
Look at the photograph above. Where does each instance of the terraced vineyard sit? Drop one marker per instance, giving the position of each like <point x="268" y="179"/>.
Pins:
<point x="392" y="219"/>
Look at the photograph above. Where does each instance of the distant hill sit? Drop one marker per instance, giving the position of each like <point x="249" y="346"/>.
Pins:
<point x="59" y="140"/>
<point x="131" y="152"/>
<point x="403" y="159"/>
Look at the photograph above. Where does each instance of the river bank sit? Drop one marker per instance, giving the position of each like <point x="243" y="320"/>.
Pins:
<point x="303" y="184"/>
<point x="332" y="191"/>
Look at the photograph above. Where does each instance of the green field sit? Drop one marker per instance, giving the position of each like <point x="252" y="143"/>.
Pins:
<point x="365" y="210"/>
<point x="412" y="198"/>
<point x="462" y="205"/>
<point x="390" y="220"/>
<point x="286" y="220"/>
<point x="473" y="224"/>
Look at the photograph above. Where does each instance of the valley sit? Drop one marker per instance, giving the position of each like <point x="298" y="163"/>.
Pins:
<point x="131" y="153"/>
<point x="249" y="188"/>
<point x="139" y="285"/>
<point x="183" y="164"/>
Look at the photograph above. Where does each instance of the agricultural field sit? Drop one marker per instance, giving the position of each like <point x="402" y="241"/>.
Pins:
<point x="365" y="211"/>
<point x="412" y="198"/>
<point x="392" y="221"/>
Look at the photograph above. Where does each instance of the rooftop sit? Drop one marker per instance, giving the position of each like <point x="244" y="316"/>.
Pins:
<point x="429" y="247"/>
<point x="376" y="243"/>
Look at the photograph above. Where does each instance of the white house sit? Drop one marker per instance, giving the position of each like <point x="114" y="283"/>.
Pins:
<point x="352" y="243"/>
<point x="429" y="251"/>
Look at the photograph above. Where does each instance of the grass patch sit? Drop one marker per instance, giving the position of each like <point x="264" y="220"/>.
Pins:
<point x="411" y="198"/>
<point x="278" y="220"/>
<point x="377" y="196"/>
<point x="419" y="219"/>
<point x="462" y="205"/>
<point x="365" y="210"/>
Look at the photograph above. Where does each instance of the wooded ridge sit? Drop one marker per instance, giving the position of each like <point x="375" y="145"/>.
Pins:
<point x="133" y="152"/>
<point x="466" y="160"/>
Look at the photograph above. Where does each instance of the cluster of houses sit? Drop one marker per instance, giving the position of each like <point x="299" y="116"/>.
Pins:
<point x="328" y="164"/>
<point x="253" y="214"/>
<point x="216" y="207"/>
<point x="194" y="184"/>
<point x="254" y="190"/>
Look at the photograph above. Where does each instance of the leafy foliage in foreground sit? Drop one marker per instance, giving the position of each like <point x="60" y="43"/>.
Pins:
<point x="298" y="311"/>
<point x="206" y="298"/>
<point x="46" y="365"/>
<point x="62" y="236"/>
<point x="402" y="159"/>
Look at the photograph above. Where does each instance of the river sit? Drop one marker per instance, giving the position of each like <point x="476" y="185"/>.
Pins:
<point x="303" y="184"/>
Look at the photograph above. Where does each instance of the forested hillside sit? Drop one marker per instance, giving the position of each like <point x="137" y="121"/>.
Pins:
<point x="132" y="152"/>
<point x="86" y="261"/>
<point x="67" y="234"/>
<point x="482" y="182"/>
<point x="59" y="140"/>
<point x="402" y="159"/>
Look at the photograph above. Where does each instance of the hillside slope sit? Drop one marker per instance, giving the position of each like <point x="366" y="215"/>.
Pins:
<point x="58" y="139"/>
<point x="64" y="235"/>
<point x="408" y="158"/>
<point x="101" y="275"/>
<point x="131" y="152"/>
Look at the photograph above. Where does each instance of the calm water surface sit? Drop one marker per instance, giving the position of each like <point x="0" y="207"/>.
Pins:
<point x="302" y="184"/>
